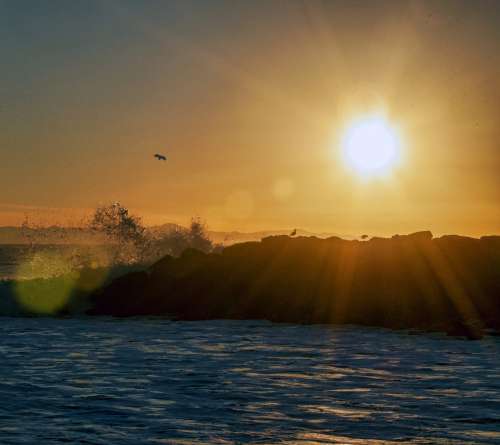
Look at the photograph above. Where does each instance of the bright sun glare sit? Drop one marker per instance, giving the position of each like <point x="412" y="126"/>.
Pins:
<point x="371" y="147"/>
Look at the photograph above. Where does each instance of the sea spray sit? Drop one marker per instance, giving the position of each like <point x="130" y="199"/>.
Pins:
<point x="56" y="267"/>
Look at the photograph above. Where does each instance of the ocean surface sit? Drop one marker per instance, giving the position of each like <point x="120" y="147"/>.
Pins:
<point x="44" y="260"/>
<point x="11" y="257"/>
<point x="154" y="381"/>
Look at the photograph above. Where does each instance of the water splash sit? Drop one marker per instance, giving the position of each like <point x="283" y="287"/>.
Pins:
<point x="57" y="267"/>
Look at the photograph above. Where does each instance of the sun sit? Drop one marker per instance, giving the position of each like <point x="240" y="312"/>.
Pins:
<point x="371" y="147"/>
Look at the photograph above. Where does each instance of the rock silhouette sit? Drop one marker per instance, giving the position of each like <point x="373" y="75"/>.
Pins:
<point x="449" y="284"/>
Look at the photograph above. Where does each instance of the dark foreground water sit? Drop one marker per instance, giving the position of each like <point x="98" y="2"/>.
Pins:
<point x="141" y="381"/>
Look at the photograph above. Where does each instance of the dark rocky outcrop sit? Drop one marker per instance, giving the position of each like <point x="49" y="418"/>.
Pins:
<point x="449" y="284"/>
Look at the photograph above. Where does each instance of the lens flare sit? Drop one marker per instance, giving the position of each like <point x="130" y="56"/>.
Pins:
<point x="48" y="281"/>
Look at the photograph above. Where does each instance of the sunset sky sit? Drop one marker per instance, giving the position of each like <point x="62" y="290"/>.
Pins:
<point x="250" y="101"/>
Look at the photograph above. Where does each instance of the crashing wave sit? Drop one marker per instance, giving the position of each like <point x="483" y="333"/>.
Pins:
<point x="49" y="273"/>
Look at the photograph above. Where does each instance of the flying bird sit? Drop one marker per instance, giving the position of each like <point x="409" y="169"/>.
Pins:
<point x="160" y="157"/>
<point x="294" y="232"/>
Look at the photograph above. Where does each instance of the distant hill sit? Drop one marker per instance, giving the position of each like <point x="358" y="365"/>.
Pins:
<point x="228" y="238"/>
<point x="233" y="237"/>
<point x="76" y="235"/>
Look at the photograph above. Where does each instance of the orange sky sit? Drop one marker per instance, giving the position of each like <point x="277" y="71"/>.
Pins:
<point x="249" y="101"/>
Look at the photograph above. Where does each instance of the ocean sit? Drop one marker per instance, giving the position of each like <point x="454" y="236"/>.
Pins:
<point x="141" y="381"/>
<point x="45" y="260"/>
<point x="11" y="257"/>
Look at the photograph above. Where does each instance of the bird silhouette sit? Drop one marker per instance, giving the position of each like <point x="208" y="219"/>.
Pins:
<point x="294" y="232"/>
<point x="160" y="157"/>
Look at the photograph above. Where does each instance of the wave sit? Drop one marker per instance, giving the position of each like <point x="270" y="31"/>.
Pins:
<point x="52" y="273"/>
<point x="111" y="237"/>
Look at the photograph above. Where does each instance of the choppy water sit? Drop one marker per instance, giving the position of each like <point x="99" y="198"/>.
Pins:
<point x="139" y="381"/>
<point x="11" y="256"/>
<point x="44" y="260"/>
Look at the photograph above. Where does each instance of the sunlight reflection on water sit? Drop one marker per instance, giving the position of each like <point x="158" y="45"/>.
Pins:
<point x="103" y="381"/>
